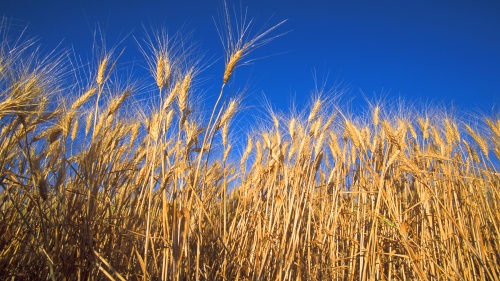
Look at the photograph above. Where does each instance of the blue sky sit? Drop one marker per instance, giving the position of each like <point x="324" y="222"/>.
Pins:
<point x="433" y="52"/>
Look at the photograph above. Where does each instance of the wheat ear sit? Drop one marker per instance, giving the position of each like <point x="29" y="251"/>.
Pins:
<point x="230" y="66"/>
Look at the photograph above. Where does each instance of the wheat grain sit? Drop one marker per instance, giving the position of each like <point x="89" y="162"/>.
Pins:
<point x="354" y="134"/>
<point x="318" y="147"/>
<point x="168" y="119"/>
<point x="115" y="103"/>
<point x="231" y="64"/>
<point x="101" y="70"/>
<point x="160" y="74"/>
<point x="83" y="98"/>
<point x="316" y="128"/>
<point x="247" y="152"/>
<point x="291" y="128"/>
<point x="172" y="95"/>
<point x="74" y="130"/>
<point x="88" y="123"/>
<point x="314" y="110"/>
<point x="183" y="91"/>
<point x="424" y="127"/>
<point x="375" y="115"/>
<point x="479" y="140"/>
<point x="494" y="129"/>
<point x="230" y="111"/>
<point x="225" y="131"/>
<point x="410" y="127"/>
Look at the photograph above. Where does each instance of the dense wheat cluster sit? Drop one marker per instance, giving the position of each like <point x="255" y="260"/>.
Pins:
<point x="89" y="193"/>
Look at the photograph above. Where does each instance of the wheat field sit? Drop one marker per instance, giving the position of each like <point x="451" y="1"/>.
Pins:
<point x="94" y="187"/>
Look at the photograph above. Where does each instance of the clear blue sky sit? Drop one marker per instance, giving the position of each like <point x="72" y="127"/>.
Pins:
<point x="443" y="52"/>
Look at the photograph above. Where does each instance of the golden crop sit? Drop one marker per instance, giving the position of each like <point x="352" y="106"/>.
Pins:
<point x="163" y="195"/>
